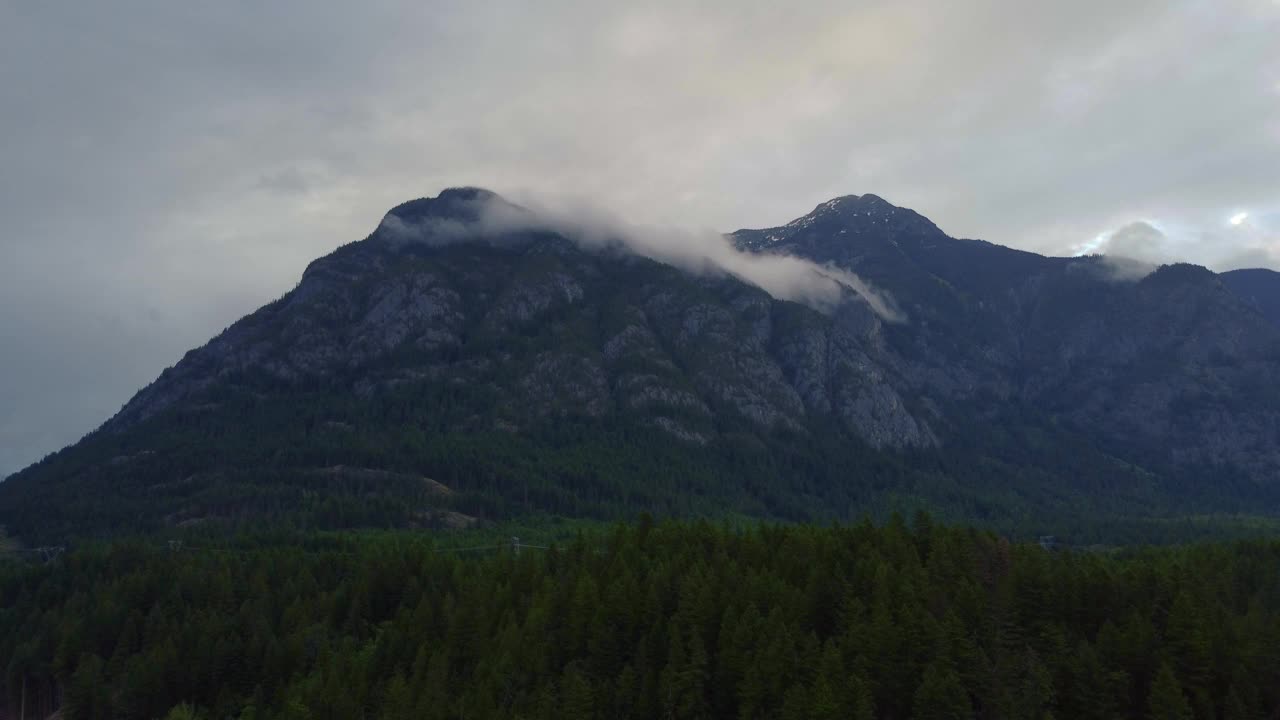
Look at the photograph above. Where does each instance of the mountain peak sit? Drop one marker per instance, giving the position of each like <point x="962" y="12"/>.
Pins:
<point x="860" y="214"/>
<point x="860" y="207"/>
<point x="845" y="202"/>
<point x="463" y="204"/>
<point x="457" y="213"/>
<point x="842" y="219"/>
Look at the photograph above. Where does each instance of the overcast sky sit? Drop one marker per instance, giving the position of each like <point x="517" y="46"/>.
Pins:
<point x="166" y="167"/>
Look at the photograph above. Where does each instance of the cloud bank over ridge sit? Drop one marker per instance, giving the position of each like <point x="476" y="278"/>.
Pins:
<point x="488" y="217"/>
<point x="1243" y="240"/>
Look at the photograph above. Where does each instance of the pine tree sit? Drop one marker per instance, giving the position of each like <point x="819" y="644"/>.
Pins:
<point x="398" y="703"/>
<point x="941" y="696"/>
<point x="861" y="699"/>
<point x="87" y="695"/>
<point x="577" y="699"/>
<point x="685" y="678"/>
<point x="1235" y="707"/>
<point x="1035" y="694"/>
<point x="185" y="711"/>
<point x="1187" y="642"/>
<point x="1166" y="701"/>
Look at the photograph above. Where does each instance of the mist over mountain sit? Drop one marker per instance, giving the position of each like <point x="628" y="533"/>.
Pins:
<point x="473" y="360"/>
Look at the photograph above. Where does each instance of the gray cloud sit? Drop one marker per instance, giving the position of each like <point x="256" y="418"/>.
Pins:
<point x="1243" y="240"/>
<point x="1131" y="252"/>
<point x="1127" y="269"/>
<point x="784" y="277"/>
<point x="1138" y="241"/>
<point x="170" y="166"/>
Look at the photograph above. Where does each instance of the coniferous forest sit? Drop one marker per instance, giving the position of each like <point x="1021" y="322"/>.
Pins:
<point x="643" y="620"/>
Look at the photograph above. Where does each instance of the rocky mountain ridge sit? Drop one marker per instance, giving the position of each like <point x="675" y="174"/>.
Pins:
<point x="464" y="338"/>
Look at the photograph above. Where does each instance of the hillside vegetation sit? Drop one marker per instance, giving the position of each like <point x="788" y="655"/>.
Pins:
<point x="651" y="621"/>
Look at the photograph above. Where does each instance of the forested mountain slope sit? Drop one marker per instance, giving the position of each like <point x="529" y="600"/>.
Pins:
<point x="456" y="367"/>
<point x="1258" y="286"/>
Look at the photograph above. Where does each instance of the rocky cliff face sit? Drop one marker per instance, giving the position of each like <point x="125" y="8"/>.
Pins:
<point x="1176" y="368"/>
<point x="462" y="316"/>
<point x="554" y="329"/>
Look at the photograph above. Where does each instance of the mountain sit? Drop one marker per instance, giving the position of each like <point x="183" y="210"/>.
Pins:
<point x="1258" y="286"/>
<point x="472" y="361"/>
<point x="1173" y="369"/>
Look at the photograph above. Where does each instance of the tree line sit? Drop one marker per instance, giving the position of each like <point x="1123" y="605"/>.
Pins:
<point x="644" y="620"/>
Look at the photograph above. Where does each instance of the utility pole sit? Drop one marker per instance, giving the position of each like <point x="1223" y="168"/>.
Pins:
<point x="23" y="711"/>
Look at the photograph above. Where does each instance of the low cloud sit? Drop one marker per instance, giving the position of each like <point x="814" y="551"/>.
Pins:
<point x="489" y="218"/>
<point x="1132" y="252"/>
<point x="1126" y="269"/>
<point x="1138" y="241"/>
<point x="1135" y="249"/>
